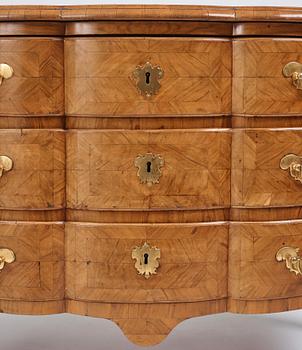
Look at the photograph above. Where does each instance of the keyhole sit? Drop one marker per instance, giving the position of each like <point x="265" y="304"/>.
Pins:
<point x="149" y="167"/>
<point x="146" y="257"/>
<point x="148" y="77"/>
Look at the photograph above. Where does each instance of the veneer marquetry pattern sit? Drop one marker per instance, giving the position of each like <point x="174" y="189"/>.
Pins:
<point x="101" y="172"/>
<point x="257" y="180"/>
<point x="37" y="84"/>
<point x="38" y="272"/>
<point x="223" y="118"/>
<point x="37" y="180"/>
<point x="253" y="271"/>
<point x="99" y="76"/>
<point x="99" y="266"/>
<point x="259" y="86"/>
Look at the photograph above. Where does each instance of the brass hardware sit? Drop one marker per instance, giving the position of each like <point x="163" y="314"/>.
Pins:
<point x="294" y="164"/>
<point x="146" y="259"/>
<point x="148" y="77"/>
<point x="292" y="259"/>
<point x="6" y="72"/>
<point x="6" y="164"/>
<point x="7" y="256"/>
<point x="294" y="70"/>
<point x="149" y="166"/>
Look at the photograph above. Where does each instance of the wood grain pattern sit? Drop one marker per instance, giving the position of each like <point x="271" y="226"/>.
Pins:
<point x="259" y="86"/>
<point x="20" y="307"/>
<point x="148" y="122"/>
<point x="37" y="180"/>
<point x="38" y="272"/>
<point x="276" y="121"/>
<point x="29" y="122"/>
<point x="36" y="87"/>
<point x="32" y="215"/>
<point x="257" y="180"/>
<point x="264" y="306"/>
<point x="151" y="12"/>
<point x="99" y="76"/>
<point x="217" y="246"/>
<point x="254" y="273"/>
<point x="265" y="214"/>
<point x="99" y="267"/>
<point x="146" y="324"/>
<point x="101" y="172"/>
<point x="32" y="28"/>
<point x="262" y="29"/>
<point x="172" y="28"/>
<point x="147" y="216"/>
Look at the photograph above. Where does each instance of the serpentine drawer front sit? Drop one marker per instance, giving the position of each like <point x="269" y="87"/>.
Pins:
<point x="108" y="169"/>
<point x="107" y="76"/>
<point x="35" y="178"/>
<point x="35" y="86"/>
<point x="150" y="170"/>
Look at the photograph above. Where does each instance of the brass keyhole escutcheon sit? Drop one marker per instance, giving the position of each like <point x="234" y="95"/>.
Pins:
<point x="147" y="259"/>
<point x="6" y="164"/>
<point x="147" y="79"/>
<point x="149" y="168"/>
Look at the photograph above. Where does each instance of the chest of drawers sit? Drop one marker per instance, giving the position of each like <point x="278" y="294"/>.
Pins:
<point x="150" y="162"/>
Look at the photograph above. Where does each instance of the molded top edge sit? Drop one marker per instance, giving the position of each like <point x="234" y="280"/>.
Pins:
<point x="149" y="12"/>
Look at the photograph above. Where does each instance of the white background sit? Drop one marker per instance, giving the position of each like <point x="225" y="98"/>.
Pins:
<point x="216" y="332"/>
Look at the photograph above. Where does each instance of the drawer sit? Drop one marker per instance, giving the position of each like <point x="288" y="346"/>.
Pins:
<point x="262" y="175"/>
<point x="36" y="86"/>
<point x="259" y="85"/>
<point x="34" y="178"/>
<point x="100" y="265"/>
<point x="37" y="274"/>
<point x="254" y="272"/>
<point x="109" y="169"/>
<point x="186" y="76"/>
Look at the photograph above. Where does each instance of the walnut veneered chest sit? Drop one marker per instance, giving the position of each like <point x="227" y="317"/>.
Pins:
<point x="150" y="162"/>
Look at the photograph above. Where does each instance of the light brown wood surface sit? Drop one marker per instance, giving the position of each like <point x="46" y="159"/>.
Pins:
<point x="37" y="83"/>
<point x="99" y="266"/>
<point x="99" y="76"/>
<point x="257" y="179"/>
<point x="151" y="12"/>
<point x="259" y="87"/>
<point x="37" y="180"/>
<point x="101" y="173"/>
<point x="254" y="273"/>
<point x="223" y="118"/>
<point x="38" y="272"/>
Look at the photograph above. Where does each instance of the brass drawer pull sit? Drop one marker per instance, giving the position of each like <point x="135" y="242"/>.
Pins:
<point x="294" y="164"/>
<point x="146" y="259"/>
<point x="149" y="168"/>
<point x="292" y="259"/>
<point x="6" y="164"/>
<point x="294" y="70"/>
<point x="7" y="256"/>
<point x="147" y="78"/>
<point x="6" y="72"/>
